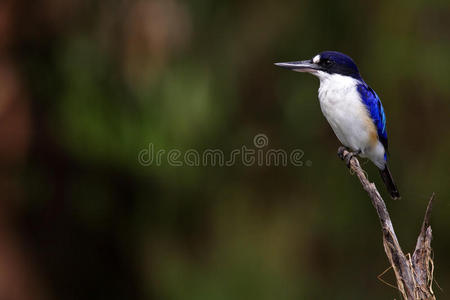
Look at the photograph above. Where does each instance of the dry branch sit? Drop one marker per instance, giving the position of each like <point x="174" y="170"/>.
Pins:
<point x="414" y="274"/>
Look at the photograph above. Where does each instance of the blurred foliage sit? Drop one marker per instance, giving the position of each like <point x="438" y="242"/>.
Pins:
<point x="89" y="84"/>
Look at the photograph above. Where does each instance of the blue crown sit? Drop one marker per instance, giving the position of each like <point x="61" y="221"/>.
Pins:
<point x="334" y="62"/>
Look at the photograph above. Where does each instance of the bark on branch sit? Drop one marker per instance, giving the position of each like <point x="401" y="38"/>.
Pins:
<point x="414" y="273"/>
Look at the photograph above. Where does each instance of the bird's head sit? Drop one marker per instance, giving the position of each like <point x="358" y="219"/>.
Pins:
<point x="327" y="62"/>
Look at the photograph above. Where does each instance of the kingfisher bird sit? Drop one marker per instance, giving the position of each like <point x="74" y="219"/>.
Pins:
<point x="351" y="107"/>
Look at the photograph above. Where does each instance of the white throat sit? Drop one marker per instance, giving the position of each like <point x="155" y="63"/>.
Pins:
<point x="336" y="89"/>
<point x="335" y="81"/>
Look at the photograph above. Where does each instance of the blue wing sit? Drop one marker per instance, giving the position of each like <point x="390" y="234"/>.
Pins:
<point x="375" y="108"/>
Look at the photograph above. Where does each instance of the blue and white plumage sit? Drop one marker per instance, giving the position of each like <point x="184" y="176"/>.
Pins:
<point x="351" y="107"/>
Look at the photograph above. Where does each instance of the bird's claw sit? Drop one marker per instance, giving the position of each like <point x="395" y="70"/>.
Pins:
<point x="348" y="157"/>
<point x="341" y="151"/>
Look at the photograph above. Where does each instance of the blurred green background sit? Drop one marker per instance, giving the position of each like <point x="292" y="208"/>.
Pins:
<point x="86" y="85"/>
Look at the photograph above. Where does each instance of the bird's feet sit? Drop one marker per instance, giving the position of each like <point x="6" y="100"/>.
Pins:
<point x="350" y="155"/>
<point x="347" y="155"/>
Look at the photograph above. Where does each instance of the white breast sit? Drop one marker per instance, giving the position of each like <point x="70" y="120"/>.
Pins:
<point x="342" y="107"/>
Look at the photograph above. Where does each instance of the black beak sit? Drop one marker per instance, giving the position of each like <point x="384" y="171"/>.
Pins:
<point x="300" y="66"/>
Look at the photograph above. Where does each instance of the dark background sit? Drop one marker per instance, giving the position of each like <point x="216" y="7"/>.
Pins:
<point x="86" y="85"/>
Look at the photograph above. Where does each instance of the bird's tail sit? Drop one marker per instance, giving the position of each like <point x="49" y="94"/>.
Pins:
<point x="389" y="182"/>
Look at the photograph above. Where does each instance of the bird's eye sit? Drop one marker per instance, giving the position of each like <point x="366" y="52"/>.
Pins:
<point x="327" y="62"/>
